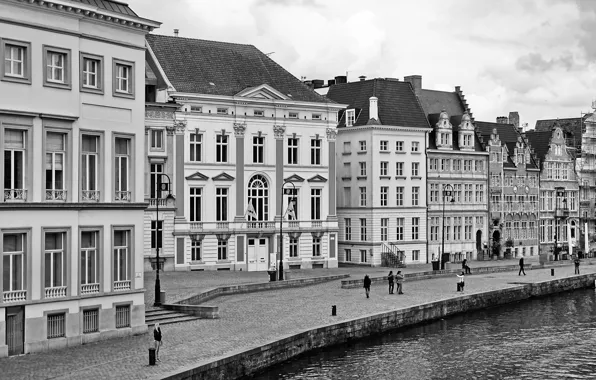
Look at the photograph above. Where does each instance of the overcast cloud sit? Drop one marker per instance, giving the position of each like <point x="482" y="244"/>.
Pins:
<point x="537" y="57"/>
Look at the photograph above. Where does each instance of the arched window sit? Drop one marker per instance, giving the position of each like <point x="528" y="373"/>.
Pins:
<point x="258" y="197"/>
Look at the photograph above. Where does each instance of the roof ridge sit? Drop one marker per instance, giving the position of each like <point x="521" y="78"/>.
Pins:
<point x="199" y="39"/>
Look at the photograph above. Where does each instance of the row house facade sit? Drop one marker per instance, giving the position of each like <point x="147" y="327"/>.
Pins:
<point x="559" y="192"/>
<point x="249" y="150"/>
<point x="381" y="172"/>
<point x="513" y="190"/>
<point x="586" y="171"/>
<point x="72" y="205"/>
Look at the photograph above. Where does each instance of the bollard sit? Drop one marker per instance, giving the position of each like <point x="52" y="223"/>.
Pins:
<point x="552" y="271"/>
<point x="152" y="356"/>
<point x="333" y="310"/>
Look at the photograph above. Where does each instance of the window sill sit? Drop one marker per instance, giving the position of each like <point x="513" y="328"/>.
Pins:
<point x="416" y="152"/>
<point x="62" y="86"/>
<point x="400" y="177"/>
<point x="384" y="177"/>
<point x="92" y="90"/>
<point x="361" y="152"/>
<point x="346" y="178"/>
<point x="400" y="152"/>
<point x="384" y="151"/>
<point x="126" y="95"/>
<point x="224" y="261"/>
<point x="361" y="177"/>
<point x="346" y="154"/>
<point x="15" y="79"/>
<point x="416" y="177"/>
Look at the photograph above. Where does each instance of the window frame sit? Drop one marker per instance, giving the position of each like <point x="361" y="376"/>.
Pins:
<point x="26" y="78"/>
<point x="258" y="149"/>
<point x="27" y="260"/>
<point x="152" y="146"/>
<point x="222" y="203"/>
<point x="66" y="84"/>
<point x="192" y="199"/>
<point x="100" y="167"/>
<point x="316" y="203"/>
<point x="27" y="157"/>
<point x="195" y="145"/>
<point x="99" y="89"/>
<point x="98" y="230"/>
<point x="130" y="254"/>
<point x="316" y="151"/>
<point x="67" y="161"/>
<point x="293" y="150"/>
<point x="130" y="93"/>
<point x="130" y="180"/>
<point x="350" y="117"/>
<point x="222" y="148"/>
<point x="66" y="260"/>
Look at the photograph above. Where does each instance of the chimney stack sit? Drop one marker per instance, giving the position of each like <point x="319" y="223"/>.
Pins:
<point x="341" y="79"/>
<point x="514" y="118"/>
<point x="502" y="120"/>
<point x="373" y="108"/>
<point x="362" y="78"/>
<point x="416" y="82"/>
<point x="176" y="32"/>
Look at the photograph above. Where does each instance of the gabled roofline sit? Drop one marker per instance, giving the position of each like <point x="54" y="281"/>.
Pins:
<point x="159" y="68"/>
<point x="251" y="90"/>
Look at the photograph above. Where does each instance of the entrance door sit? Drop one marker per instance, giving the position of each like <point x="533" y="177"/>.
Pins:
<point x="15" y="330"/>
<point x="257" y="254"/>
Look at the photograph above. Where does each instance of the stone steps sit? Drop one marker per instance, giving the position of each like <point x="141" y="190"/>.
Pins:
<point x="165" y="317"/>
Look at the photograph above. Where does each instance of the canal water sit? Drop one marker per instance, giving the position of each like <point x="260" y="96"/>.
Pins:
<point x="545" y="338"/>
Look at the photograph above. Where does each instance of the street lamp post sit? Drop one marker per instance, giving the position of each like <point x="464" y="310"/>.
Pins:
<point x="161" y="186"/>
<point x="447" y="192"/>
<point x="559" y="192"/>
<point x="281" y="223"/>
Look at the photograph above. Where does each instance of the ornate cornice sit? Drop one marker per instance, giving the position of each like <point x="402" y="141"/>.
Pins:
<point x="239" y="129"/>
<point x="331" y="134"/>
<point x="279" y="131"/>
<point x="180" y="126"/>
<point x="165" y="115"/>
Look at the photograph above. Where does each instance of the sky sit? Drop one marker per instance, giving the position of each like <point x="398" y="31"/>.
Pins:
<point x="536" y="57"/>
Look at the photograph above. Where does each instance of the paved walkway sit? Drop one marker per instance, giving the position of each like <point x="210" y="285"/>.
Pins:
<point x="249" y="320"/>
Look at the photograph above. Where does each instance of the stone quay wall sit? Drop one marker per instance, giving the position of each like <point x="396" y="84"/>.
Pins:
<point x="244" y="363"/>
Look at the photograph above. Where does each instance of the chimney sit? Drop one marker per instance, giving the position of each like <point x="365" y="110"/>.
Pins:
<point x="341" y="79"/>
<point x="309" y="84"/>
<point x="362" y="78"/>
<point x="502" y="120"/>
<point x="330" y="82"/>
<point x="373" y="108"/>
<point x="176" y="32"/>
<point x="318" y="83"/>
<point x="514" y="118"/>
<point x="416" y="82"/>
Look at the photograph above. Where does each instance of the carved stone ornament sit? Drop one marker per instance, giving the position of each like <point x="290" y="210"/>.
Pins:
<point x="170" y="129"/>
<point x="150" y="114"/>
<point x="278" y="131"/>
<point x="331" y="134"/>
<point x="239" y="129"/>
<point x="180" y="126"/>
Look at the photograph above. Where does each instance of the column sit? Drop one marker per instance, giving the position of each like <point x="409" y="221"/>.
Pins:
<point x="178" y="170"/>
<point x="239" y="130"/>
<point x="279" y="133"/>
<point x="146" y="183"/>
<point x="331" y="136"/>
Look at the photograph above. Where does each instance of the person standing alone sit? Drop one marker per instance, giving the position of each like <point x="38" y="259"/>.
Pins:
<point x="465" y="267"/>
<point x="521" y="266"/>
<point x="157" y="339"/>
<point x="367" y="282"/>
<point x="576" y="262"/>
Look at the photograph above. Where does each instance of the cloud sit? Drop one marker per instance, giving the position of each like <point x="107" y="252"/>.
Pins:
<point x="535" y="62"/>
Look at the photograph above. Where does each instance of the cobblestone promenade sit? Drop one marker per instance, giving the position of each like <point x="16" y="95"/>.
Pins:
<point x="249" y="320"/>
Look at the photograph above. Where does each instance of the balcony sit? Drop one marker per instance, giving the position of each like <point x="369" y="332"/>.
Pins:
<point x="120" y="286"/>
<point x="222" y="225"/>
<point x="56" y="195"/>
<point x="90" y="195"/>
<point x="15" y="296"/>
<point x="15" y="195"/>
<point x="89" y="289"/>
<point x="56" y="292"/>
<point x="122" y="196"/>
<point x="161" y="202"/>
<point x="562" y="213"/>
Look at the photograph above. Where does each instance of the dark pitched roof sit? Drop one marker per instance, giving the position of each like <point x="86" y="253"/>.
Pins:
<point x="110" y="5"/>
<point x="540" y="142"/>
<point x="508" y="135"/>
<point x="455" y="121"/>
<point x="436" y="101"/>
<point x="397" y="103"/>
<point x="571" y="126"/>
<point x="222" y="68"/>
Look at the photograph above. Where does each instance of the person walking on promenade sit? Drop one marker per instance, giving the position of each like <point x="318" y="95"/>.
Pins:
<point x="576" y="262"/>
<point x="367" y="282"/>
<point x="521" y="266"/>
<point x="400" y="280"/>
<point x="460" y="282"/>
<point x="391" y="279"/>
<point x="157" y="339"/>
<point x="465" y="267"/>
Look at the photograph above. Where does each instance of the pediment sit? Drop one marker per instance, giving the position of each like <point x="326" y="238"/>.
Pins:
<point x="198" y="176"/>
<point x="294" y="178"/>
<point x="223" y="177"/>
<point x="263" y="91"/>
<point x="317" y="178"/>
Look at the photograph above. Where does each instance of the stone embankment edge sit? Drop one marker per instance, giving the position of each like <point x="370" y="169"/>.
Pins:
<point x="358" y="283"/>
<point x="256" y="287"/>
<point x="244" y="363"/>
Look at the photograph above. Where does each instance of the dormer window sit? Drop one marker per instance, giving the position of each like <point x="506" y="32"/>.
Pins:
<point x="197" y="109"/>
<point x="293" y="115"/>
<point x="445" y="138"/>
<point x="259" y="113"/>
<point x="467" y="141"/>
<point x="350" y="117"/>
<point x="316" y="116"/>
<point x="222" y="111"/>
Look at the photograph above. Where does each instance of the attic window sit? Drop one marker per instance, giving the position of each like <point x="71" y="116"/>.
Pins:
<point x="316" y="116"/>
<point x="259" y="113"/>
<point x="350" y="117"/>
<point x="293" y="115"/>
<point x="198" y="109"/>
<point x="222" y="111"/>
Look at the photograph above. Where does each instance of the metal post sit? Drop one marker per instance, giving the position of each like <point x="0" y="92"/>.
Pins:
<point x="445" y="193"/>
<point x="281" y="240"/>
<point x="157" y="282"/>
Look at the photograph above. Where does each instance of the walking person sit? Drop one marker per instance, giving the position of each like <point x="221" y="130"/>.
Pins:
<point x="576" y="262"/>
<point x="460" y="282"/>
<point x="465" y="267"/>
<point x="157" y="339"/>
<point x="367" y="282"/>
<point x="521" y="266"/>
<point x="391" y="279"/>
<point x="400" y="280"/>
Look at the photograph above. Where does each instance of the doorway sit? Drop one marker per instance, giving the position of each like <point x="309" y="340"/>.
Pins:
<point x="15" y="330"/>
<point x="478" y="240"/>
<point x="257" y="254"/>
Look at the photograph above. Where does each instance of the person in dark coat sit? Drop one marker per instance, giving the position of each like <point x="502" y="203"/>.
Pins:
<point x="391" y="279"/>
<point x="367" y="283"/>
<point x="157" y="339"/>
<point x="521" y="266"/>
<point x="465" y="267"/>
<point x="576" y="262"/>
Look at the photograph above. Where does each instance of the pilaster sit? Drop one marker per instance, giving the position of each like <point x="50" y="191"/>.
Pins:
<point x="178" y="172"/>
<point x="239" y="130"/>
<point x="279" y="133"/>
<point x="331" y="137"/>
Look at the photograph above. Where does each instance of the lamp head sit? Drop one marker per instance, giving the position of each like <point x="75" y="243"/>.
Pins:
<point x="170" y="197"/>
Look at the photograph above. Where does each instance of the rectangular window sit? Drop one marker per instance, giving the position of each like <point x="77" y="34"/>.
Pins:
<point x="222" y="111"/>
<point x="258" y="149"/>
<point x="362" y="196"/>
<point x="56" y="325"/>
<point x="399" y="196"/>
<point x="316" y="246"/>
<point x="221" y="148"/>
<point x="16" y="61"/>
<point x="221" y="204"/>
<point x="415" y="228"/>
<point x="90" y="321"/>
<point x="155" y="176"/>
<point x="348" y="229"/>
<point x="291" y="206"/>
<point x="315" y="204"/>
<point x="89" y="262"/>
<point x="363" y="255"/>
<point x="362" y="166"/>
<point x="384" y="168"/>
<point x="222" y="249"/>
<point x="384" y="224"/>
<point x="196" y="147"/>
<point x="89" y="167"/>
<point x="293" y="115"/>
<point x="315" y="151"/>
<point x="400" y="229"/>
<point x="293" y="247"/>
<point x="122" y="255"/>
<point x="384" y="195"/>
<point x="348" y="253"/>
<point x="55" y="261"/>
<point x="456" y="165"/>
<point x="350" y="117"/>
<point x="347" y="196"/>
<point x="123" y="78"/>
<point x="258" y="113"/>
<point x="122" y="316"/>
<point x="434" y="229"/>
<point x="292" y="151"/>
<point x="399" y="169"/>
<point x="415" y="167"/>
<point x="91" y="73"/>
<point x="416" y="255"/>
<point x="56" y="67"/>
<point x="14" y="247"/>
<point x="347" y="147"/>
<point x="196" y="250"/>
<point x="156" y="234"/>
<point x="362" y="144"/>
<point x="196" y="194"/>
<point x="415" y="146"/>
<point x="316" y="116"/>
<point x="415" y="195"/>
<point x="432" y="164"/>
<point x="14" y="164"/>
<point x="157" y="139"/>
<point x="55" y="166"/>
<point x="122" y="168"/>
<point x="399" y="146"/>
<point x="384" y="146"/>
<point x="363" y="234"/>
<point x="123" y="82"/>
